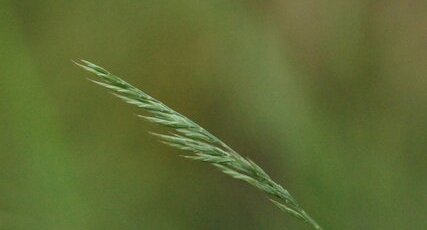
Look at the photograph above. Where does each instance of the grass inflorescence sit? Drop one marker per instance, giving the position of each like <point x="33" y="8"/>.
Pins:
<point x="200" y="144"/>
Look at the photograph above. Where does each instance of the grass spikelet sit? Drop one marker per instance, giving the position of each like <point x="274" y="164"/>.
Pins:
<point x="199" y="143"/>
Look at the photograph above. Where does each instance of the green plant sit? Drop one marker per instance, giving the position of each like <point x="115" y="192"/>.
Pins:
<point x="189" y="136"/>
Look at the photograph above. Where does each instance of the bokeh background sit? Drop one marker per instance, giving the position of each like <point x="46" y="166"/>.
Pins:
<point x="329" y="96"/>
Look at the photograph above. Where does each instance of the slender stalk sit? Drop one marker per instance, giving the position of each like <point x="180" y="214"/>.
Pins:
<point x="202" y="145"/>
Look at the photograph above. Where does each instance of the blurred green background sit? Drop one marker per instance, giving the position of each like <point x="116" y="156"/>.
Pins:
<point x="330" y="97"/>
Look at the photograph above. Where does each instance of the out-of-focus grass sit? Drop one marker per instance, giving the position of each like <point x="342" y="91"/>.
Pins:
<point x="38" y="186"/>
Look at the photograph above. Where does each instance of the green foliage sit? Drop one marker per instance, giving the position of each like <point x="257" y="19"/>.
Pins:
<point x="202" y="145"/>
